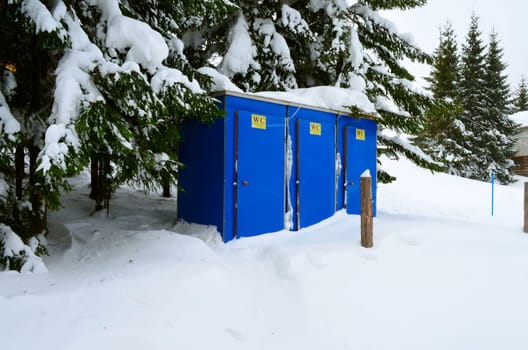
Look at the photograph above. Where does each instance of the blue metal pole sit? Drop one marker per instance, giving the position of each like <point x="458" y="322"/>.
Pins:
<point x="492" y="192"/>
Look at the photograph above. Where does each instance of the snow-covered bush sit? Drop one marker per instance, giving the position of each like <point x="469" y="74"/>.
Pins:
<point x="15" y="255"/>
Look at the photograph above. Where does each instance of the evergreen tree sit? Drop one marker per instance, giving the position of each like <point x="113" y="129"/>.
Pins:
<point x="30" y="48"/>
<point x="473" y="98"/>
<point x="29" y="55"/>
<point x="138" y="94"/>
<point x="100" y="81"/>
<point x="445" y="68"/>
<point x="443" y="134"/>
<point x="280" y="45"/>
<point x="500" y="129"/>
<point x="484" y="94"/>
<point x="520" y="101"/>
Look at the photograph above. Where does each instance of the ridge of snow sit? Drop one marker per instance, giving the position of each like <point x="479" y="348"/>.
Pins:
<point x="240" y="52"/>
<point x="220" y="81"/>
<point x="145" y="46"/>
<point x="9" y="84"/>
<point x="329" y="97"/>
<point x="8" y="123"/>
<point x="402" y="141"/>
<point x="43" y="19"/>
<point x="73" y="87"/>
<point x="384" y="104"/>
<point x="292" y="19"/>
<point x="169" y="76"/>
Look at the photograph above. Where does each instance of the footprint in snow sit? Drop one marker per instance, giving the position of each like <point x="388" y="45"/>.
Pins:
<point x="235" y="334"/>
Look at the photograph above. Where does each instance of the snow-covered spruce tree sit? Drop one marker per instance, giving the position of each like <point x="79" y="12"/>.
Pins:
<point x="520" y="100"/>
<point x="279" y="45"/>
<point x="30" y="48"/>
<point x="500" y="129"/>
<point x="443" y="134"/>
<point x="445" y="68"/>
<point x="118" y="103"/>
<point x="86" y="81"/>
<point x="473" y="96"/>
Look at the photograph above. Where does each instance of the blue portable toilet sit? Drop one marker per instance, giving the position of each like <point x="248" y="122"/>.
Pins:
<point x="271" y="165"/>
<point x="313" y="180"/>
<point x="357" y="153"/>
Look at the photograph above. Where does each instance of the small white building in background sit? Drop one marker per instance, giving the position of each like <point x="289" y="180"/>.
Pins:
<point x="521" y="157"/>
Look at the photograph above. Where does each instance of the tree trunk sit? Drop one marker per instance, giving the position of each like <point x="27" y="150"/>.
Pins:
<point x="101" y="182"/>
<point x="107" y="182"/>
<point x="94" y="176"/>
<point x="98" y="184"/>
<point x="19" y="170"/>
<point x="165" y="183"/>
<point x="38" y="219"/>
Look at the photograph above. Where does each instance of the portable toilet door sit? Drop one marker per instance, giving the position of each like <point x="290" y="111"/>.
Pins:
<point x="358" y="148"/>
<point x="258" y="171"/>
<point x="233" y="170"/>
<point x="314" y="174"/>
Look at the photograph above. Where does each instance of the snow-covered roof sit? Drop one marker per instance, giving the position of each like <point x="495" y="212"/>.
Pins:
<point x="521" y="118"/>
<point x="322" y="98"/>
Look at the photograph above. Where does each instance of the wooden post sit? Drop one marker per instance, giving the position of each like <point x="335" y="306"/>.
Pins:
<point x="526" y="207"/>
<point x="366" y="210"/>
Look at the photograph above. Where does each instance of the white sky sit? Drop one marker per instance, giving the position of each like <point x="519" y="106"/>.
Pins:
<point x="507" y="17"/>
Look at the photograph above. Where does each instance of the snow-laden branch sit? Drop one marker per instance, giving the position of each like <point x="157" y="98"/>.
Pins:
<point x="43" y="19"/>
<point x="292" y="19"/>
<point x="402" y="141"/>
<point x="73" y="89"/>
<point x="8" y="124"/>
<point x="384" y="104"/>
<point x="143" y="49"/>
<point x="14" y="248"/>
<point x="241" y="51"/>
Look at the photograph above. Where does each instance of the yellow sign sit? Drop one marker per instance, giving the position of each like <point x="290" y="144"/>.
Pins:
<point x="258" y="121"/>
<point x="315" y="129"/>
<point x="360" y="134"/>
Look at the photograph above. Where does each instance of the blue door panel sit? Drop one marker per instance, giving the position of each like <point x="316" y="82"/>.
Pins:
<point x="316" y="162"/>
<point x="361" y="155"/>
<point x="260" y="168"/>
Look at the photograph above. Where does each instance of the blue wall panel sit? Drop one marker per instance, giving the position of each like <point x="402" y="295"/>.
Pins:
<point x="200" y="198"/>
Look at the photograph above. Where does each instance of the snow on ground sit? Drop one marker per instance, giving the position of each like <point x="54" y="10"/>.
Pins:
<point x="443" y="274"/>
